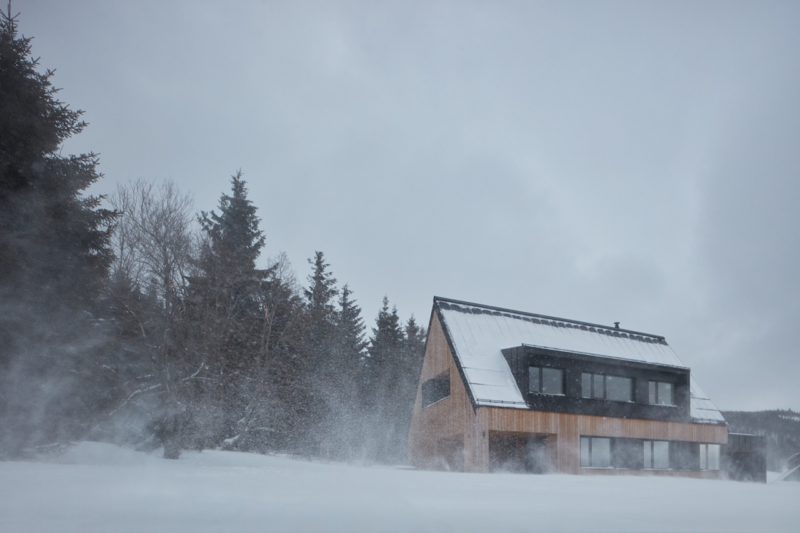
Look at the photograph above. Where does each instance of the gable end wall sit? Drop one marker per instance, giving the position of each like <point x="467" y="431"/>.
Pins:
<point x="437" y="434"/>
<point x="453" y="434"/>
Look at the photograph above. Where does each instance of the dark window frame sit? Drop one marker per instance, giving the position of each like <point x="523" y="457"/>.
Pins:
<point x="591" y="441"/>
<point x="540" y="378"/>
<point x="705" y="457"/>
<point x="593" y="394"/>
<point x="659" y="455"/>
<point x="436" y="389"/>
<point x="652" y="465"/>
<point x="653" y="393"/>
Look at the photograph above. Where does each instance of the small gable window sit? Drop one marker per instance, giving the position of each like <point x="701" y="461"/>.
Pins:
<point x="544" y="380"/>
<point x="435" y="389"/>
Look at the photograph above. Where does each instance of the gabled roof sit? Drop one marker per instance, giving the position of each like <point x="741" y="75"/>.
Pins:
<point x="478" y="333"/>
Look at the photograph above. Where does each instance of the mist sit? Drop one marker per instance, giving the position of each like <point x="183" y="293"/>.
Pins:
<point x="615" y="162"/>
<point x="222" y="228"/>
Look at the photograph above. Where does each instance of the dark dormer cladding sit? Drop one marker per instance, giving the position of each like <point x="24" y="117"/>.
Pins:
<point x="600" y="386"/>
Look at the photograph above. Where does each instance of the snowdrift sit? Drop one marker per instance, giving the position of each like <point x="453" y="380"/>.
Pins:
<point x="95" y="487"/>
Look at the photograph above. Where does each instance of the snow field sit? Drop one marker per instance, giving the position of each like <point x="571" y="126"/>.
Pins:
<point x="94" y="488"/>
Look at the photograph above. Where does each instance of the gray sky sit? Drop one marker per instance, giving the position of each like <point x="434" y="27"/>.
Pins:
<point x="631" y="161"/>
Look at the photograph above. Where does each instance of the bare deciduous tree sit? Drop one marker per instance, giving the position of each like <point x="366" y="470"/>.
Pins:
<point x="154" y="239"/>
<point x="154" y="245"/>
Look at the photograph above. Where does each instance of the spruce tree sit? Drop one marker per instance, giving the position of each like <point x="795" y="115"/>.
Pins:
<point x="54" y="258"/>
<point x="226" y="308"/>
<point x="277" y="405"/>
<point x="234" y="238"/>
<point x="321" y="290"/>
<point x="380" y="382"/>
<point x="346" y="415"/>
<point x="409" y="366"/>
<point x="319" y="364"/>
<point x="350" y="340"/>
<point x="387" y="335"/>
<point x="54" y="239"/>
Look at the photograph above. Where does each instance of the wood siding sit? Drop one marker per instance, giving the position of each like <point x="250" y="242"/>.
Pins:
<point x="439" y="428"/>
<point x="569" y="428"/>
<point x="527" y="421"/>
<point x="453" y="434"/>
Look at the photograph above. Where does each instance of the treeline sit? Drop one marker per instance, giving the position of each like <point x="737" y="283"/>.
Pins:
<point x="137" y="320"/>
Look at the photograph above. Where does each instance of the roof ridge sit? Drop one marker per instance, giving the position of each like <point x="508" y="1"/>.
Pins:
<point x="556" y="321"/>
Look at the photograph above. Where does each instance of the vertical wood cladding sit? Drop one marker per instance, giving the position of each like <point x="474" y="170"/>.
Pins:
<point x="453" y="434"/>
<point x="476" y="442"/>
<point x="569" y="428"/>
<point x="524" y="420"/>
<point x="446" y="420"/>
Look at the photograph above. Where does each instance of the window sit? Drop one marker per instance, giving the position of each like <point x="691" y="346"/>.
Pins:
<point x="596" y="452"/>
<point x="588" y="386"/>
<point x="709" y="457"/>
<point x="660" y="393"/>
<point x="626" y="453"/>
<point x="598" y="386"/>
<point x="605" y="387"/>
<point x="543" y="380"/>
<point x="436" y="389"/>
<point x="656" y="454"/>
<point x="619" y="389"/>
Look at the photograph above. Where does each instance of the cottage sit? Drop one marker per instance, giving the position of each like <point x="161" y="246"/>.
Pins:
<point x="509" y="390"/>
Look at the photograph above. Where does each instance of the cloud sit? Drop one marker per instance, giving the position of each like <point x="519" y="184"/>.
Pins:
<point x="624" y="161"/>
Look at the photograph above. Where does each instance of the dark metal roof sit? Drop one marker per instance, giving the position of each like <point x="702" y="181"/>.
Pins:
<point x="555" y="321"/>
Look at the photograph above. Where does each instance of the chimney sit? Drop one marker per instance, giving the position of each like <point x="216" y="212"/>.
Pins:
<point x="616" y="325"/>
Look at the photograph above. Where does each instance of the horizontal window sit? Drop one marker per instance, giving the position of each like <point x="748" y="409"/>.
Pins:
<point x="435" y="389"/>
<point x="544" y="380"/>
<point x="606" y="387"/>
<point x="637" y="454"/>
<point x="619" y="389"/>
<point x="626" y="453"/>
<point x="660" y="393"/>
<point x="596" y="452"/>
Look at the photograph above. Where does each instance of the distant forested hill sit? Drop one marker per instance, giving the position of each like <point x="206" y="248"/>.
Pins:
<point x="781" y="427"/>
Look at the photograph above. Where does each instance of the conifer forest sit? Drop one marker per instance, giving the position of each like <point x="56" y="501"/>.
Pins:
<point x="140" y="319"/>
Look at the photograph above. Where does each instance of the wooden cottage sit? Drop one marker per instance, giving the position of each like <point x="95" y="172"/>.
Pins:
<point x="509" y="390"/>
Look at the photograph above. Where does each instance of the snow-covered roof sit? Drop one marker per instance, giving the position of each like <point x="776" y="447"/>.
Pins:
<point x="479" y="333"/>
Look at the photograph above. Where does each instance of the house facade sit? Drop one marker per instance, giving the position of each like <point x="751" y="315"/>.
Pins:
<point x="508" y="390"/>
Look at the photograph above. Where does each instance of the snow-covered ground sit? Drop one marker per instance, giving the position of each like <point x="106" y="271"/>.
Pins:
<point x="97" y="487"/>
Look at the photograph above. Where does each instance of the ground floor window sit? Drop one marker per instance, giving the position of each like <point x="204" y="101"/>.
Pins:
<point x="596" y="452"/>
<point x="520" y="452"/>
<point x="709" y="457"/>
<point x="656" y="454"/>
<point x="637" y="454"/>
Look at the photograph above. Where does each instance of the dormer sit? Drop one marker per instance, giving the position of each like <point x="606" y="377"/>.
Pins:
<point x="568" y="382"/>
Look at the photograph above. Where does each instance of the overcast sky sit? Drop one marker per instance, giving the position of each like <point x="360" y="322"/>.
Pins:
<point x="603" y="161"/>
